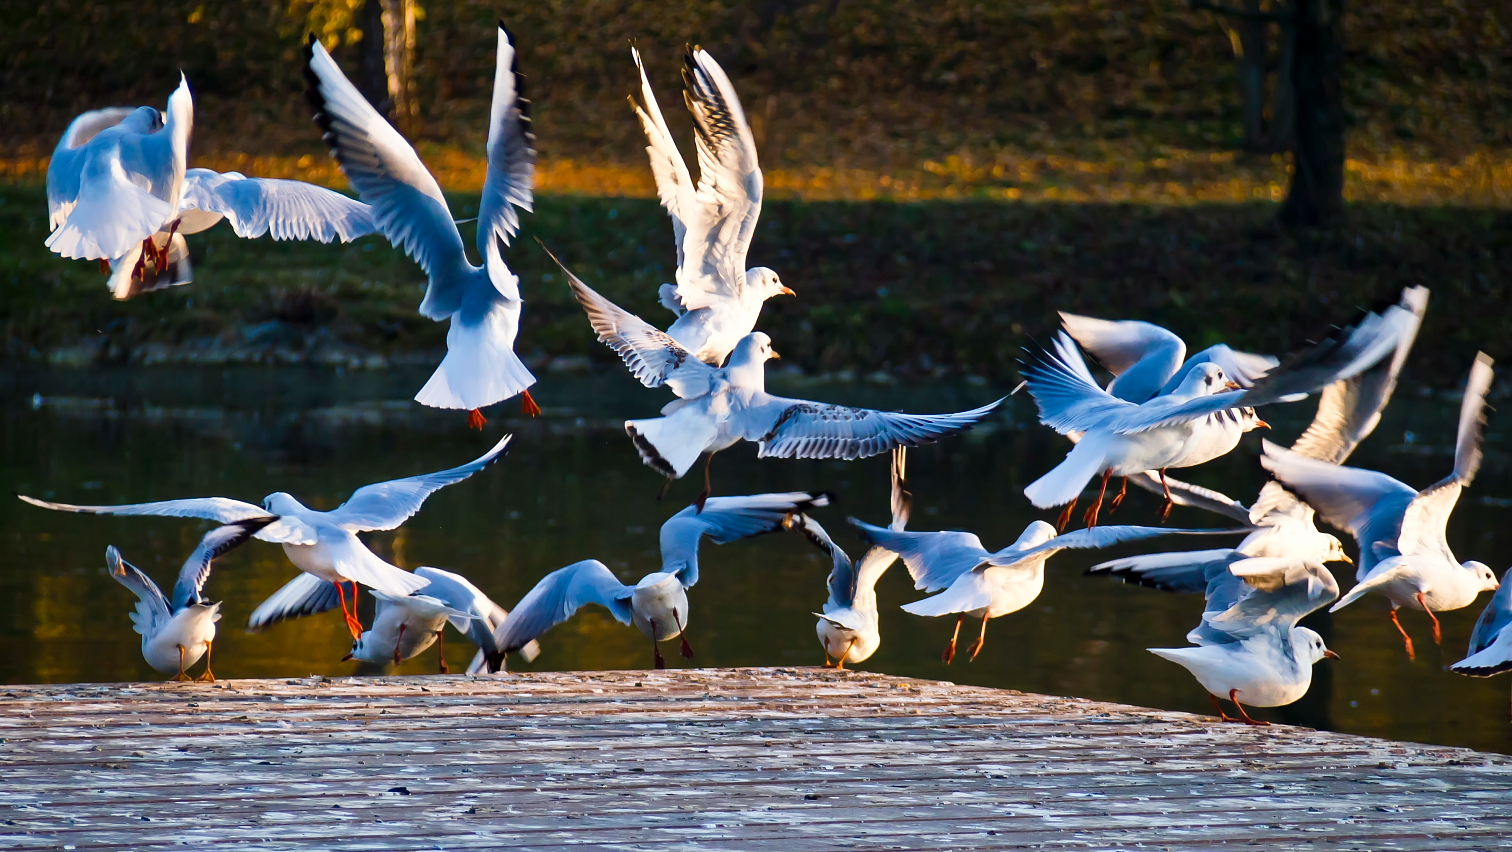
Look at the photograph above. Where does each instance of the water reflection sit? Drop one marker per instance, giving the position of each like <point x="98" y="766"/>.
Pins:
<point x="572" y="489"/>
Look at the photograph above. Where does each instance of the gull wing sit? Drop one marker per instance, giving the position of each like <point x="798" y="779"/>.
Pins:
<point x="842" y="577"/>
<point x="726" y="519"/>
<point x="557" y="596"/>
<point x="223" y="509"/>
<point x="152" y="608"/>
<point x="1069" y="400"/>
<point x="457" y="592"/>
<point x="1491" y="642"/>
<point x="284" y="209"/>
<point x="408" y="207"/>
<point x="1090" y="538"/>
<point x="1245" y="368"/>
<point x="386" y="505"/>
<point x="727" y="201"/>
<point x="1185" y="571"/>
<point x="1425" y="521"/>
<point x="1281" y="592"/>
<point x="215" y="544"/>
<point x="1187" y="494"/>
<point x="816" y="430"/>
<point x="674" y="184"/>
<point x="934" y="559"/>
<point x="1141" y="355"/>
<point x="306" y="594"/>
<point x="652" y="356"/>
<point x="511" y="152"/>
<point x="67" y="163"/>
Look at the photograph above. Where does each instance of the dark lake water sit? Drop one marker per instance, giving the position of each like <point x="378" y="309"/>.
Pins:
<point x="573" y="488"/>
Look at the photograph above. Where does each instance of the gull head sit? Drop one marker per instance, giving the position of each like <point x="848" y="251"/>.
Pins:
<point x="364" y="649"/>
<point x="1334" y="550"/>
<point x="1310" y="645"/>
<point x="1034" y="535"/>
<point x="143" y="120"/>
<point x="280" y="503"/>
<point x="765" y="283"/>
<point x="754" y="349"/>
<point x="1484" y="574"/>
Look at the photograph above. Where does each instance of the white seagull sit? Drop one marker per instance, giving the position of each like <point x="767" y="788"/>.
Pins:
<point x="716" y="299"/>
<point x="1283" y="526"/>
<point x="1187" y="426"/>
<point x="720" y="407"/>
<point x="986" y="585"/>
<point x="1491" y="643"/>
<point x="322" y="544"/>
<point x="658" y="604"/>
<point x="403" y="626"/>
<point x="177" y="632"/>
<point x="1404" y="549"/>
<point x="1147" y="360"/>
<point x="482" y="302"/>
<point x="848" y="627"/>
<point x="1250" y="648"/>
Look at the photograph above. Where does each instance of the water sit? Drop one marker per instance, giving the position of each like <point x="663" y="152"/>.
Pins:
<point x="573" y="488"/>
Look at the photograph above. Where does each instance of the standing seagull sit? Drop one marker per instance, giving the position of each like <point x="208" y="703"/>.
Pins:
<point x="658" y="604"/>
<point x="177" y="632"/>
<point x="716" y="299"/>
<point x="482" y="302"/>
<point x="987" y="585"/>
<point x="1249" y="644"/>
<point x="720" y="407"/>
<point x="848" y="627"/>
<point x="1404" y="549"/>
<point x="323" y="544"/>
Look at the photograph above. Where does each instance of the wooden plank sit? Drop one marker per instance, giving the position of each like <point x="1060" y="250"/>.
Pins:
<point x="750" y="759"/>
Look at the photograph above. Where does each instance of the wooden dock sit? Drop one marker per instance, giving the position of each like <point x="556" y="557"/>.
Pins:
<point x="788" y="760"/>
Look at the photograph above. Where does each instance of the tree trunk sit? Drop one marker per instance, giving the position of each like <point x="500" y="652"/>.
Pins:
<point x="1248" y="37"/>
<point x="1283" y="110"/>
<point x="372" y="79"/>
<point x="399" y="62"/>
<point x="1316" y="195"/>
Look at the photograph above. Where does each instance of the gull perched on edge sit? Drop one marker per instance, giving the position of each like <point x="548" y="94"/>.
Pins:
<point x="1404" y="549"/>
<point x="103" y="162"/>
<point x="1283" y="526"/>
<point x="1249" y="645"/>
<point x="848" y="627"/>
<point x="1118" y="438"/>
<point x="482" y="302"/>
<point x="986" y="585"/>
<point x="658" y="604"/>
<point x="716" y="299"/>
<point x="177" y="632"/>
<point x="322" y="544"/>
<point x="720" y="407"/>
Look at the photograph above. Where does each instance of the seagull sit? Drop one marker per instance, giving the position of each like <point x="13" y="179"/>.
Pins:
<point x="848" y="627"/>
<point x="1249" y="645"/>
<point x="986" y="585"/>
<point x="1404" y="551"/>
<point x="1491" y="644"/>
<point x="115" y="180"/>
<point x="1283" y="526"/>
<point x="719" y="407"/>
<point x="1118" y="438"/>
<point x="1147" y="361"/>
<point x="482" y="302"/>
<point x="322" y="544"/>
<point x="84" y="172"/>
<point x="658" y="604"/>
<point x="716" y="299"/>
<point x="177" y="632"/>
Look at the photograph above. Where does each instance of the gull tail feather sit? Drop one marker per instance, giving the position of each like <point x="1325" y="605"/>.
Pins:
<point x="1068" y="479"/>
<point x="480" y="367"/>
<point x="672" y="444"/>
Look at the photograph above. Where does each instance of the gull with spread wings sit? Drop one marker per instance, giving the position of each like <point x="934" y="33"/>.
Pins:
<point x="324" y="545"/>
<point x="1250" y="648"/>
<point x="716" y="299"/>
<point x="720" y="407"/>
<point x="1402" y="532"/>
<point x="482" y="302"/>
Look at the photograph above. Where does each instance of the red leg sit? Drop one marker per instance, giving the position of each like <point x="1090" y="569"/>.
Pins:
<point x="441" y="638"/>
<point x="1411" y="654"/>
<point x="475" y="419"/>
<point x="1090" y="518"/>
<point x="976" y="647"/>
<point x="104" y="266"/>
<point x="397" y="642"/>
<point x="1118" y="498"/>
<point x="1219" y="709"/>
<point x="656" y="654"/>
<point x="528" y="404"/>
<point x="352" y="623"/>
<point x="1438" y="632"/>
<point x="704" y="495"/>
<point x="1165" y="508"/>
<point x="1065" y="516"/>
<point x="950" y="649"/>
<point x="1243" y="716"/>
<point x="686" y="650"/>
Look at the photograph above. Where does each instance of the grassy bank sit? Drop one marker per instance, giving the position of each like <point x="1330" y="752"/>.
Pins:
<point x="915" y="288"/>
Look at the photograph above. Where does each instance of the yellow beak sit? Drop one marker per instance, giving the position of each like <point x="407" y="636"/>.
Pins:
<point x="786" y="291"/>
<point x="1330" y="655"/>
<point x="775" y="356"/>
<point x="1344" y="557"/>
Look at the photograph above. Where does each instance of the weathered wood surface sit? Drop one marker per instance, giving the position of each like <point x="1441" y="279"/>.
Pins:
<point x="788" y="760"/>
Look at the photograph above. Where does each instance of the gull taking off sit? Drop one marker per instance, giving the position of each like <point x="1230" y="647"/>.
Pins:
<point x="1187" y="426"/>
<point x="1404" y="548"/>
<point x="716" y="299"/>
<point x="1147" y="361"/>
<point x="658" y="604"/>
<point x="1250" y="648"/>
<point x="986" y="585"/>
<point x="720" y="407"/>
<point x="177" y="632"/>
<point x="848" y="627"/>
<point x="322" y="544"/>
<point x="482" y="302"/>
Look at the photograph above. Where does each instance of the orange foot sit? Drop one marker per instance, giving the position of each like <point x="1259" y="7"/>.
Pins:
<point x="528" y="404"/>
<point x="475" y="419"/>
<point x="104" y="267"/>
